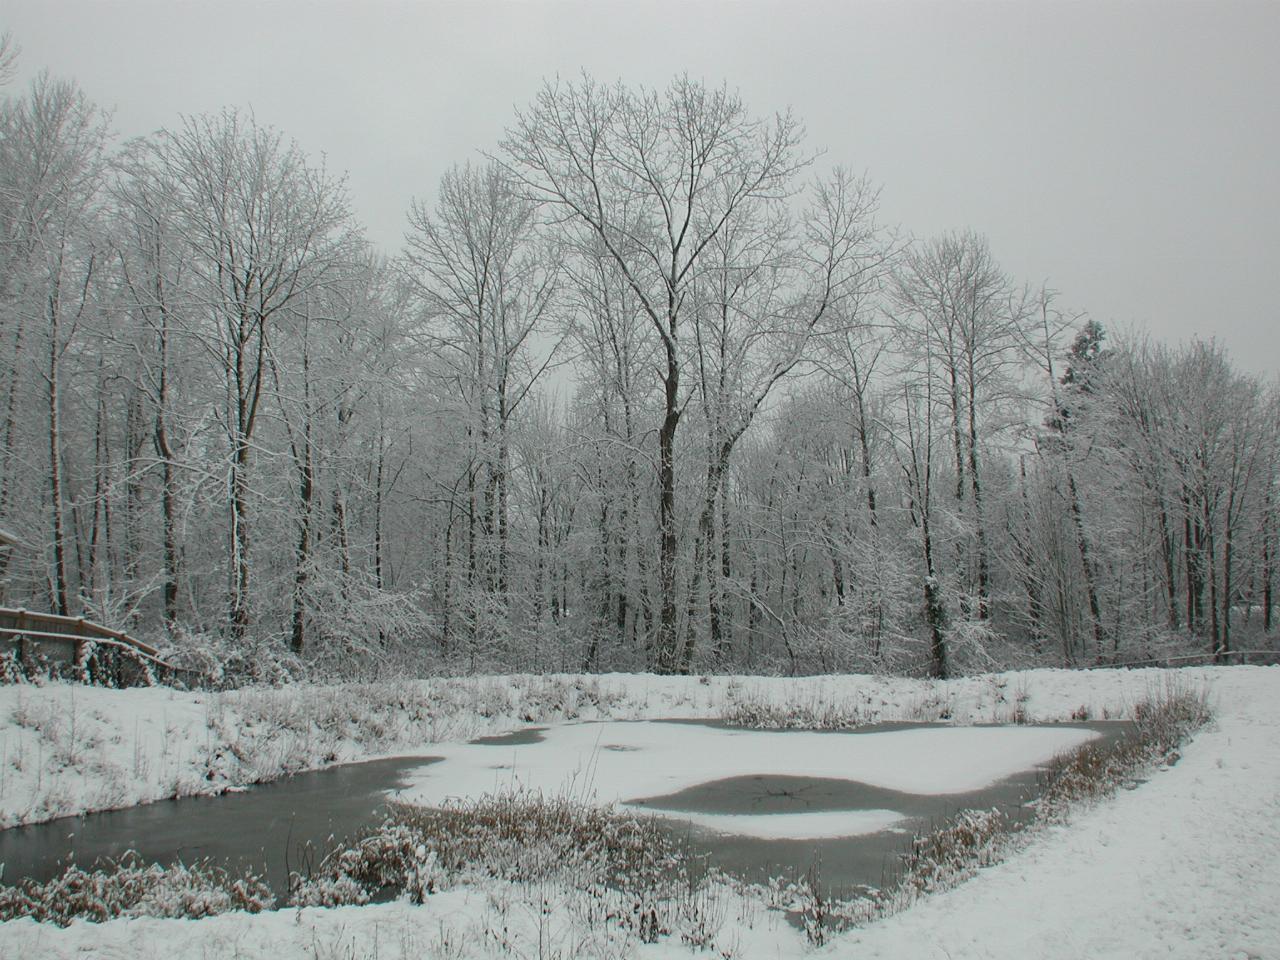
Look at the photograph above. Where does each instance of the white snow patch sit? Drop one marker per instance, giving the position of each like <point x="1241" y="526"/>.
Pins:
<point x="813" y="825"/>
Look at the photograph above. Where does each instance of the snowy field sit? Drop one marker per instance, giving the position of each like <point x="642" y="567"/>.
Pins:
<point x="1180" y="866"/>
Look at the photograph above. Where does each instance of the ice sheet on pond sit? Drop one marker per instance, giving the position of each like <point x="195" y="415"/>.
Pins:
<point x="617" y="762"/>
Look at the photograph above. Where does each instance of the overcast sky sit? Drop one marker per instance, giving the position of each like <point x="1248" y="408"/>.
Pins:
<point x="1127" y="153"/>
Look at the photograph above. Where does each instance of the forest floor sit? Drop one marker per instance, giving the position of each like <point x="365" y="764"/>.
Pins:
<point x="1182" y="865"/>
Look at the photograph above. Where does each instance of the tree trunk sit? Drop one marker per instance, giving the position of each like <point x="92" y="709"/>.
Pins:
<point x="701" y="552"/>
<point x="169" y="521"/>
<point x="377" y="512"/>
<point x="93" y="583"/>
<point x="1167" y="554"/>
<point x="935" y="614"/>
<point x="1211" y="566"/>
<point x="1226" y="585"/>
<point x="59" y="579"/>
<point x="1022" y="545"/>
<point x="248" y="386"/>
<point x="503" y="465"/>
<point x="169" y="488"/>
<point x="240" y="539"/>
<point x="1268" y="564"/>
<point x="721" y="626"/>
<point x="1190" y="560"/>
<point x="306" y="498"/>
<point x="984" y="567"/>
<point x="667" y="653"/>
<point x="957" y="440"/>
<point x="135" y="500"/>
<point x="9" y="440"/>
<point x="1086" y="563"/>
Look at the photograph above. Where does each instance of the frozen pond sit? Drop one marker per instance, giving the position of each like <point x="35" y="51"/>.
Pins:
<point x="270" y="828"/>
<point x="756" y="802"/>
<point x="762" y="803"/>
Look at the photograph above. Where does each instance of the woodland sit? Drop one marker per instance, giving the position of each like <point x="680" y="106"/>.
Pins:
<point x="649" y="386"/>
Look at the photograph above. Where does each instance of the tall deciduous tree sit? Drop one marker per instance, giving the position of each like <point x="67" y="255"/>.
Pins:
<point x="264" y="229"/>
<point x="485" y="283"/>
<point x="765" y="289"/>
<point x="52" y="143"/>
<point x="968" y="315"/>
<point x="654" y="177"/>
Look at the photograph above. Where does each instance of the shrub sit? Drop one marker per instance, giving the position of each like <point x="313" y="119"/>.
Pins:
<point x="1162" y="723"/>
<point x="626" y="870"/>
<point x="761" y="714"/>
<point x="520" y="837"/>
<point x="127" y="887"/>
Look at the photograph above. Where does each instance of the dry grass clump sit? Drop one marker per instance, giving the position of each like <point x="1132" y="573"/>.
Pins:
<point x="757" y="713"/>
<point x="952" y="852"/>
<point x="1162" y="723"/>
<point x="128" y="887"/>
<point x="623" y="870"/>
<point x="519" y="837"/>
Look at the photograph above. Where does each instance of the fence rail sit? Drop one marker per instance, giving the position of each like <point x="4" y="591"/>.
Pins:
<point x="1262" y="658"/>
<point x="47" y="644"/>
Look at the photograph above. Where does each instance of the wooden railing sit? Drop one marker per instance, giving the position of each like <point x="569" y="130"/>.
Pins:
<point x="46" y="644"/>
<point x="1260" y="658"/>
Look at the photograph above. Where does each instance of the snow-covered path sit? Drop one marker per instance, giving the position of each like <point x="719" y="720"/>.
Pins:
<point x="1186" y="865"/>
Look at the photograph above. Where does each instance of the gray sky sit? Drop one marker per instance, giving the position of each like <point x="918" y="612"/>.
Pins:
<point x="1128" y="153"/>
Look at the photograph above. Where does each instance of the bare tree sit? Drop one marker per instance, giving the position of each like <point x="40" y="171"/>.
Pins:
<point x="654" y="177"/>
<point x="9" y="51"/>
<point x="766" y="289"/>
<point x="969" y="314"/>
<point x="264" y="228"/>
<point x="1066" y="393"/>
<point x="53" y="148"/>
<point x="619" y="387"/>
<point x="485" y="284"/>
<point x="915" y="451"/>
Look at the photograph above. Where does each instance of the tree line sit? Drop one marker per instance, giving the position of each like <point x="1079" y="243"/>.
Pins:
<point x="644" y="389"/>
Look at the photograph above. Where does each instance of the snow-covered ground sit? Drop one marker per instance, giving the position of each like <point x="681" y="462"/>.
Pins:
<point x="1182" y="866"/>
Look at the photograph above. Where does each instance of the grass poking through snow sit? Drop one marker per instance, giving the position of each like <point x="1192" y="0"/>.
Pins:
<point x="955" y="850"/>
<point x="621" y="870"/>
<point x="130" y="888"/>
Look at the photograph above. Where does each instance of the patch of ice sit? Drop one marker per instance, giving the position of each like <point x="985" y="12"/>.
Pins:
<point x="816" y="825"/>
<point x="616" y="761"/>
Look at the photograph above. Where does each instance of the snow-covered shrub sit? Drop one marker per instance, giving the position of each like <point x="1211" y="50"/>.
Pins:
<point x="624" y="870"/>
<point x="229" y="662"/>
<point x="327" y="891"/>
<point x="129" y="888"/>
<point x="941" y="858"/>
<point x="392" y="858"/>
<point x="760" y="713"/>
<point x="1170" y="714"/>
<point x="815" y="908"/>
<point x="11" y="668"/>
